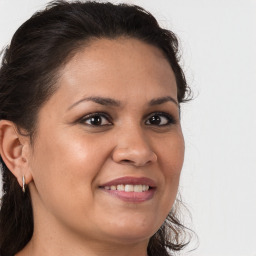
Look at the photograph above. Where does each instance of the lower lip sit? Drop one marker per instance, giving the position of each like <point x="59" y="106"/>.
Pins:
<point x="132" y="197"/>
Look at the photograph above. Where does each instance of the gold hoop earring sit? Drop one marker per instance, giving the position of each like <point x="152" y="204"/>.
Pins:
<point x="23" y="184"/>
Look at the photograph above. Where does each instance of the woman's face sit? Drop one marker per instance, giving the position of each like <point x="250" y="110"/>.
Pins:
<point x="109" y="149"/>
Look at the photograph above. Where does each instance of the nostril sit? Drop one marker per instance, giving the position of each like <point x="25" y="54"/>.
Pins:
<point x="126" y="161"/>
<point x="134" y="156"/>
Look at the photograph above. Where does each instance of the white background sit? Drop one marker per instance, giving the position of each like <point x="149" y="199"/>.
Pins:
<point x="218" y="42"/>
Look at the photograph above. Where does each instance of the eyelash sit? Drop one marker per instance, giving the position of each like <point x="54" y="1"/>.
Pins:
<point x="169" y="118"/>
<point x="97" y="114"/>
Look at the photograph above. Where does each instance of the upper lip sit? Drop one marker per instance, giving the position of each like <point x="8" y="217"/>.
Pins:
<point x="130" y="180"/>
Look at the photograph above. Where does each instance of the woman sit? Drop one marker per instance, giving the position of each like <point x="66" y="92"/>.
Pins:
<point x="91" y="143"/>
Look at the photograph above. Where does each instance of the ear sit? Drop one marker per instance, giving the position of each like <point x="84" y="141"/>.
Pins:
<point x="15" y="150"/>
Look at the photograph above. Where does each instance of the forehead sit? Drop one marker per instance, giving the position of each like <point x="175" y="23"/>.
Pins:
<point x="121" y="68"/>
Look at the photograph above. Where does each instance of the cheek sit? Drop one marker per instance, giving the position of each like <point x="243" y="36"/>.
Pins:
<point x="64" y="168"/>
<point x="171" y="154"/>
<point x="171" y="157"/>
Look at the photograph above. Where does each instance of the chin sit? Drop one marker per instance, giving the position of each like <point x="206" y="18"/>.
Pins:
<point x="134" y="230"/>
<point x="132" y="237"/>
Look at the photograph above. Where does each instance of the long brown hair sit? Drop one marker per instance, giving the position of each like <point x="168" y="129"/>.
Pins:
<point x="39" y="48"/>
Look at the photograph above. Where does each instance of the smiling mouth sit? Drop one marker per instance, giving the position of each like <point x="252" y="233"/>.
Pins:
<point x="128" y="188"/>
<point x="131" y="189"/>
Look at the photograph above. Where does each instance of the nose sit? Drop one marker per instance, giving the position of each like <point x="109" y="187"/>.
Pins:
<point x="133" y="148"/>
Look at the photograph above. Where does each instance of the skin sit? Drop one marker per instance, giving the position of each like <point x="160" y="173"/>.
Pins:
<point x="71" y="158"/>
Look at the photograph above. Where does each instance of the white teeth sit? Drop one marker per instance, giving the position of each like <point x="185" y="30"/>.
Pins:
<point x="120" y="187"/>
<point x="137" y="188"/>
<point x="128" y="188"/>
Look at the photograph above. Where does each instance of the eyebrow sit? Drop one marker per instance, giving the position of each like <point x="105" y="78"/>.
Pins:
<point x="100" y="100"/>
<point x="162" y="100"/>
<point x="116" y="103"/>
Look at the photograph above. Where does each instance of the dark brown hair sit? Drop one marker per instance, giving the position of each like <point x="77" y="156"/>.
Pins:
<point x="29" y="71"/>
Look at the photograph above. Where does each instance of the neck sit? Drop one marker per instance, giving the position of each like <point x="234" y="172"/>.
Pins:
<point x="52" y="237"/>
<point x="58" y="241"/>
<point x="43" y="248"/>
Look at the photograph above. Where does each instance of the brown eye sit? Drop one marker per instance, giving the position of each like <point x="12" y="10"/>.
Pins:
<point x="96" y="120"/>
<point x="160" y="119"/>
